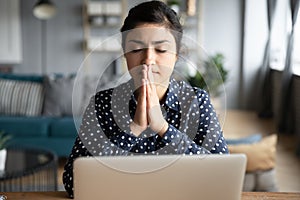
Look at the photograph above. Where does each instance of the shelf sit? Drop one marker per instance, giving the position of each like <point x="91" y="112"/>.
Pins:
<point x="104" y="21"/>
<point x="101" y="44"/>
<point x="101" y="17"/>
<point x="99" y="8"/>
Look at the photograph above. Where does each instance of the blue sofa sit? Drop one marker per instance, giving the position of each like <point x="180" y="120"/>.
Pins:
<point x="39" y="129"/>
<point x="54" y="133"/>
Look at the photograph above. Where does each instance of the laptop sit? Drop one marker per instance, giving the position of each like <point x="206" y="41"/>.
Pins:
<point x="174" y="177"/>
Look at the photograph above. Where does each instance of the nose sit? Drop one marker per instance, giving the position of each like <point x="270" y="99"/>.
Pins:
<point x="149" y="56"/>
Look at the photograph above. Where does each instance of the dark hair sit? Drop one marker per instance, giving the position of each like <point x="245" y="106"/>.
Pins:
<point x="155" y="12"/>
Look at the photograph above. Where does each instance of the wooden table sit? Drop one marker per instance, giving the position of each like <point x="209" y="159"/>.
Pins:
<point x="63" y="195"/>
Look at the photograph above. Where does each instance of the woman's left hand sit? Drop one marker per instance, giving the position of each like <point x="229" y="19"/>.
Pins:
<point x="155" y="117"/>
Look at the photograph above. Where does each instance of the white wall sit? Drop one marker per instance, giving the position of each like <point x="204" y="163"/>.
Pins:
<point x="221" y="32"/>
<point x="256" y="30"/>
<point x="62" y="40"/>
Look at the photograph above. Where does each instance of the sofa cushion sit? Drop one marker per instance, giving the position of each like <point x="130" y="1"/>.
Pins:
<point x="21" y="98"/>
<point x="58" y="94"/>
<point x="63" y="127"/>
<point x="25" y="126"/>
<point x="260" y="155"/>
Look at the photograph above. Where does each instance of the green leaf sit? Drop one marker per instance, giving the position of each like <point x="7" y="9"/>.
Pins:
<point x="4" y="139"/>
<point x="212" y="82"/>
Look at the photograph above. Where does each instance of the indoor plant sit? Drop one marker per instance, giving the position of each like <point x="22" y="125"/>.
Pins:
<point x="209" y="79"/>
<point x="174" y="4"/>
<point x="4" y="138"/>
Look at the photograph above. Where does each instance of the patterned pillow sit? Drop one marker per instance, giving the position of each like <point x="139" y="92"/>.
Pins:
<point x="21" y="98"/>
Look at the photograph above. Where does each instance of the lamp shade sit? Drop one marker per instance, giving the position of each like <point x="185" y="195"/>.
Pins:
<point x="44" y="9"/>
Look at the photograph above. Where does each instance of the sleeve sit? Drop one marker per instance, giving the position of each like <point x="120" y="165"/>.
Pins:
<point x="101" y="134"/>
<point x="91" y="141"/>
<point x="78" y="150"/>
<point x="200" y="131"/>
<point x="111" y="124"/>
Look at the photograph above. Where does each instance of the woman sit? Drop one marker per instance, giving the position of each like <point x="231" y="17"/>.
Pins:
<point x="152" y="113"/>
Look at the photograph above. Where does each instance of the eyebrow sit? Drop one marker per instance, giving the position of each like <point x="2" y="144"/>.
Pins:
<point x="154" y="42"/>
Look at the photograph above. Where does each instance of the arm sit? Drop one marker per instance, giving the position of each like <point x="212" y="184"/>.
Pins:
<point x="91" y="141"/>
<point x="78" y="150"/>
<point x="199" y="130"/>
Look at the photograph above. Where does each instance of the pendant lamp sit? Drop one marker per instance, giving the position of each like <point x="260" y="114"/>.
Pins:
<point x="44" y="9"/>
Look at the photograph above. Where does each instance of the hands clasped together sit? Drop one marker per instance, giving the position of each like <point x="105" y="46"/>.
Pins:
<point x="148" y="112"/>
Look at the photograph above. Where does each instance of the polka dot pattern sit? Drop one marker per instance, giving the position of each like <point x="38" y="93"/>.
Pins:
<point x="193" y="126"/>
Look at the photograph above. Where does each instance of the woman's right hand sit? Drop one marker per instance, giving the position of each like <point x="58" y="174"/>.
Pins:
<point x="148" y="111"/>
<point x="140" y="121"/>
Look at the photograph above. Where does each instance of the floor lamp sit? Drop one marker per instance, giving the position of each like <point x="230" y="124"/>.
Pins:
<point x="44" y="10"/>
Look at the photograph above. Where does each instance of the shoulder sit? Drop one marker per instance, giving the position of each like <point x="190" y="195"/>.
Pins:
<point x="102" y="98"/>
<point x="104" y="94"/>
<point x="185" y="89"/>
<point x="105" y="98"/>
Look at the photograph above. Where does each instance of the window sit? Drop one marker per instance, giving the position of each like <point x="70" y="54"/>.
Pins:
<point x="281" y="30"/>
<point x="279" y="35"/>
<point x="296" y="53"/>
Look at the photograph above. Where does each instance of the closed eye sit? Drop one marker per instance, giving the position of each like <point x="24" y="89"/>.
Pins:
<point x="160" y="50"/>
<point x="142" y="49"/>
<point x="136" y="50"/>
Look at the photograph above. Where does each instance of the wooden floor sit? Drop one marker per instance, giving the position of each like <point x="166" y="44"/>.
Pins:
<point x="243" y="123"/>
<point x="235" y="124"/>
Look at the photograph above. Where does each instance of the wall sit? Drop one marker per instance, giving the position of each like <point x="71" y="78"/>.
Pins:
<point x="254" y="47"/>
<point x="221" y="32"/>
<point x="221" y="27"/>
<point x="10" y="32"/>
<point x="63" y="38"/>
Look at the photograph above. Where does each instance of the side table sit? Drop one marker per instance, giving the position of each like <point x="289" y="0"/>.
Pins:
<point x="29" y="169"/>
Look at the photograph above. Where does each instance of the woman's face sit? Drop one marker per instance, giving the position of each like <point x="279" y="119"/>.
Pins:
<point x="154" y="46"/>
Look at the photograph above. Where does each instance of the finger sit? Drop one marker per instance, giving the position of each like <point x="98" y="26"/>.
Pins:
<point x="156" y="120"/>
<point x="140" y="116"/>
<point x="151" y="82"/>
<point x="143" y="92"/>
<point x="144" y="72"/>
<point x="142" y="95"/>
<point x="138" y="73"/>
<point x="150" y="76"/>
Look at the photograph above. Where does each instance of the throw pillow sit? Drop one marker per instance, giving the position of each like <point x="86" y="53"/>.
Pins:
<point x="260" y="155"/>
<point x="58" y="95"/>
<point x="23" y="98"/>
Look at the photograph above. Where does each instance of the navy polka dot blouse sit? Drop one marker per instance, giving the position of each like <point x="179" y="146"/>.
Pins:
<point x="193" y="126"/>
